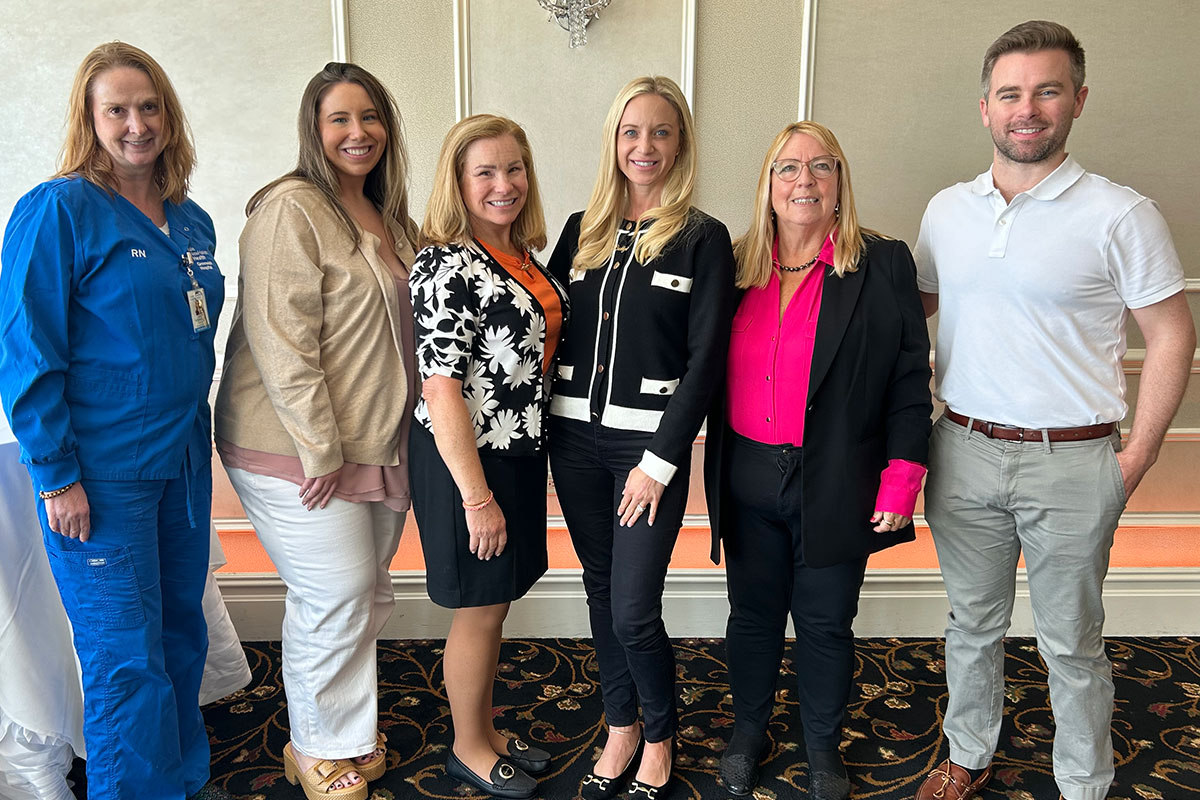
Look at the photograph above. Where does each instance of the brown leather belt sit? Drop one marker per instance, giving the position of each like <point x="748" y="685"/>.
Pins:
<point x="994" y="430"/>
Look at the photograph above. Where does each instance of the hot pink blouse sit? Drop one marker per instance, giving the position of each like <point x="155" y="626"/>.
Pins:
<point x="769" y="363"/>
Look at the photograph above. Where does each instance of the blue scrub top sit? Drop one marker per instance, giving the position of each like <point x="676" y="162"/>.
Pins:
<point x="102" y="374"/>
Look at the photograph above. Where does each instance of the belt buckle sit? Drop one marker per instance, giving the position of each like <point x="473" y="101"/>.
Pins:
<point x="1020" y="434"/>
<point x="986" y="429"/>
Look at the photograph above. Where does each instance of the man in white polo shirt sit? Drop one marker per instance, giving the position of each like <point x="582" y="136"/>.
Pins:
<point x="1036" y="265"/>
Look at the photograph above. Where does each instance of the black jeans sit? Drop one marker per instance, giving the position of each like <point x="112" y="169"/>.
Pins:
<point x="623" y="569"/>
<point x="767" y="578"/>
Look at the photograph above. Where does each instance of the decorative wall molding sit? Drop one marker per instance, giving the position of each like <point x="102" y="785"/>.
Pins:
<point x="808" y="58"/>
<point x="341" y="31"/>
<point x="901" y="602"/>
<point x="462" y="55"/>
<point x="1155" y="519"/>
<point x="1133" y="519"/>
<point x="687" y="69"/>
<point x="1191" y="285"/>
<point x="1131" y="364"/>
<point x="1135" y="357"/>
<point x="462" y="59"/>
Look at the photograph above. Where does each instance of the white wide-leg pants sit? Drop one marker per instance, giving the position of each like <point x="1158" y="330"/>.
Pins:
<point x="334" y="562"/>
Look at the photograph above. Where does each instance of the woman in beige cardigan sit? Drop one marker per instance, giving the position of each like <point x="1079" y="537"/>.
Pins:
<point x="313" y="413"/>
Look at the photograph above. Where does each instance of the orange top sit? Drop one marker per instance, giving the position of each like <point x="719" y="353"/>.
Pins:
<point x="529" y="276"/>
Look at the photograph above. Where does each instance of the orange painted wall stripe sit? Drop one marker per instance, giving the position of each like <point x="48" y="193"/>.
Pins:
<point x="1133" y="547"/>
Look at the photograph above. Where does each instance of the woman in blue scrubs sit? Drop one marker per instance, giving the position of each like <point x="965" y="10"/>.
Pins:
<point x="109" y="297"/>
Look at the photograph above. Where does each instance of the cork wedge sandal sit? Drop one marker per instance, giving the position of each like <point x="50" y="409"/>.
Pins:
<point x="373" y="770"/>
<point x="320" y="776"/>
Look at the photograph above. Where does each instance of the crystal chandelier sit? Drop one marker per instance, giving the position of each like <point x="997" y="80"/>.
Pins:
<point x="574" y="16"/>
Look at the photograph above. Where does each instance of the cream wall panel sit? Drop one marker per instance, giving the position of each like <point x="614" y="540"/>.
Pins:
<point x="410" y="47"/>
<point x="747" y="90"/>
<point x="239" y="67"/>
<point x="1136" y="340"/>
<point x="1170" y="485"/>
<point x="899" y="84"/>
<point x="521" y="67"/>
<point x="1188" y="416"/>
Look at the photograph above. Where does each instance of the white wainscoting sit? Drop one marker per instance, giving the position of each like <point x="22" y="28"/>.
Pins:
<point x="902" y="602"/>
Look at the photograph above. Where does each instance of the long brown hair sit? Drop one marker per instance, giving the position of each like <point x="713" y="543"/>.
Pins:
<point x="387" y="183"/>
<point x="82" y="154"/>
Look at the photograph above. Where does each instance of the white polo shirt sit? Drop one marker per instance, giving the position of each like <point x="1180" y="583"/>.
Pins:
<point x="1033" y="295"/>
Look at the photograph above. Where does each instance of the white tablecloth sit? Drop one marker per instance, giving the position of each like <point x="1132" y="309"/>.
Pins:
<point x="41" y="704"/>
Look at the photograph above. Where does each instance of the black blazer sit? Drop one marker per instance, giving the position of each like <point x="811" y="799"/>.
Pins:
<point x="868" y="402"/>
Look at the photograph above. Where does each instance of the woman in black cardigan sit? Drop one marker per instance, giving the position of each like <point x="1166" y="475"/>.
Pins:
<point x="651" y="285"/>
<point x="816" y="447"/>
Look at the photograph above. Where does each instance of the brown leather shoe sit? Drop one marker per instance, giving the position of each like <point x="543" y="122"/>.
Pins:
<point x="949" y="781"/>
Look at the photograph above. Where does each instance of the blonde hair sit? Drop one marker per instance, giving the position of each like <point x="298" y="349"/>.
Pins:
<point x="446" y="217"/>
<point x="83" y="155"/>
<point x="606" y="208"/>
<point x="753" y="249"/>
<point x="386" y="184"/>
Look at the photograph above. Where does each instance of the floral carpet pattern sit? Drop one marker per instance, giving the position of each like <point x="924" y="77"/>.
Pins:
<point x="549" y="693"/>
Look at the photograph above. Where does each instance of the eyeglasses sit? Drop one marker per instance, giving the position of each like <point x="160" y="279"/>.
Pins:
<point x="788" y="169"/>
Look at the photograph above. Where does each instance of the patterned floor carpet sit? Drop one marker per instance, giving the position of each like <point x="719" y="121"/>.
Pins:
<point x="549" y="693"/>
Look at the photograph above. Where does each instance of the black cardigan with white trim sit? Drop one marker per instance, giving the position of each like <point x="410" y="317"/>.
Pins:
<point x="647" y="343"/>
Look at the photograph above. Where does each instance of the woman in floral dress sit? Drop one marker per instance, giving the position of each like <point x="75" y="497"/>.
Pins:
<point x="488" y="318"/>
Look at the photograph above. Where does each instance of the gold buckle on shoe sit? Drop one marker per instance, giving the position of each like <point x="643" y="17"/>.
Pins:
<point x="592" y="777"/>
<point x="637" y="787"/>
<point x="517" y="743"/>
<point x="507" y="771"/>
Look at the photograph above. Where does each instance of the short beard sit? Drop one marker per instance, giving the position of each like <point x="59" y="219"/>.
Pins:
<point x="1044" y="149"/>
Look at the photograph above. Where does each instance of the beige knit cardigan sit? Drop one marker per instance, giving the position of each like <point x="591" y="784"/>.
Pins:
<point x="313" y="365"/>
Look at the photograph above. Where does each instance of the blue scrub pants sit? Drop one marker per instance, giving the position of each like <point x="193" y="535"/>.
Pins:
<point x="133" y="594"/>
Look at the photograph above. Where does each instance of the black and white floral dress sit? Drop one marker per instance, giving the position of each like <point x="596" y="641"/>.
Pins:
<point x="477" y="324"/>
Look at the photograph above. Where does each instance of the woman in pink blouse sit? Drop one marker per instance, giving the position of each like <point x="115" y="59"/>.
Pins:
<point x="815" y="451"/>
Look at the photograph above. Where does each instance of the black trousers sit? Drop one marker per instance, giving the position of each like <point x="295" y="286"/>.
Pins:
<point x="623" y="569"/>
<point x="767" y="578"/>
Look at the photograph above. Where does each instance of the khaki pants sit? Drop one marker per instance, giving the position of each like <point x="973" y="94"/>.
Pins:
<point x="987" y="501"/>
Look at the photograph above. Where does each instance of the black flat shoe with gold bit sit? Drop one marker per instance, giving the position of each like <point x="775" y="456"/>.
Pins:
<point x="533" y="760"/>
<point x="644" y="791"/>
<point x="504" y="781"/>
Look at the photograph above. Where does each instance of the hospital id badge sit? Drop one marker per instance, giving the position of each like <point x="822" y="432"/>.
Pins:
<point x="198" y="306"/>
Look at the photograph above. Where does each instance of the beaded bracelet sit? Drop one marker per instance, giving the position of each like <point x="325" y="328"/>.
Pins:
<point x="479" y="506"/>
<point x="64" y="490"/>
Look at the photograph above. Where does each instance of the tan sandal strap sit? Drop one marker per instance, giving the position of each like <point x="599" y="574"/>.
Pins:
<point x="325" y="772"/>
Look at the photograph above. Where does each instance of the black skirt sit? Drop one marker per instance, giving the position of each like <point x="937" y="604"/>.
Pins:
<point x="454" y="577"/>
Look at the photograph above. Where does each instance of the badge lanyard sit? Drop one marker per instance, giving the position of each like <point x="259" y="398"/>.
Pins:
<point x="197" y="303"/>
